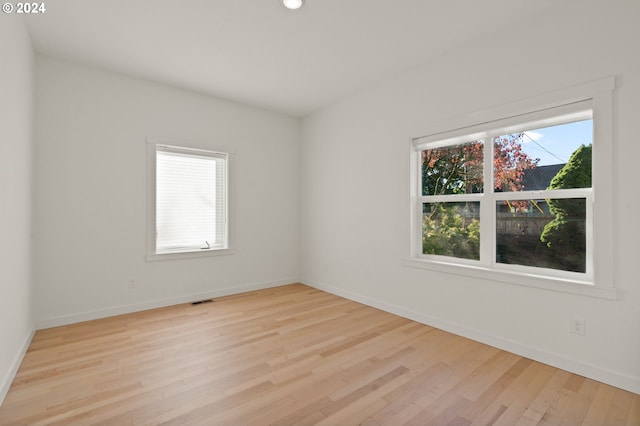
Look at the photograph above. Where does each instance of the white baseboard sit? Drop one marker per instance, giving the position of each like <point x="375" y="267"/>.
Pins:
<point x="157" y="303"/>
<point x="5" y="384"/>
<point x="604" y="375"/>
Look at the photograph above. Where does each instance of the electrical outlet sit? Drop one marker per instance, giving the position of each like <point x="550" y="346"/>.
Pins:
<point x="578" y="326"/>
<point x="132" y="283"/>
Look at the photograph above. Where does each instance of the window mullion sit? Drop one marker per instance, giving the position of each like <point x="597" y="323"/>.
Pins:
<point x="487" y="208"/>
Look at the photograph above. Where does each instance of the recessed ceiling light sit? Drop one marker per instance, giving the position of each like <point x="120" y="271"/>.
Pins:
<point x="292" y="4"/>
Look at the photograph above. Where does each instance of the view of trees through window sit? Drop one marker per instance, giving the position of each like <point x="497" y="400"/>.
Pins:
<point x="544" y="230"/>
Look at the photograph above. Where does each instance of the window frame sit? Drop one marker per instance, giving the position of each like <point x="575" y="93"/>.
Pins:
<point x="536" y="112"/>
<point x="153" y="145"/>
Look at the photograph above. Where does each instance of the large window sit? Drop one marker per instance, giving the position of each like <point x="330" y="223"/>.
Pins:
<point x="515" y="197"/>
<point x="189" y="200"/>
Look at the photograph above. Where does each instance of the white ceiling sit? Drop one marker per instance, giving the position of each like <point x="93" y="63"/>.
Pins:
<point x="259" y="53"/>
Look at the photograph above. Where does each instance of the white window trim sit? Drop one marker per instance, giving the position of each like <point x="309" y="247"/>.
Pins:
<point x="151" y="255"/>
<point x="599" y="282"/>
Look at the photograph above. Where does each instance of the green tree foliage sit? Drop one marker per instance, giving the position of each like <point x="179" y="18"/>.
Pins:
<point x="447" y="233"/>
<point x="565" y="235"/>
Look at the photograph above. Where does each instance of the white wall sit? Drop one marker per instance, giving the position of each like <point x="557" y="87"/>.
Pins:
<point x="355" y="202"/>
<point x="90" y="193"/>
<point x="16" y="112"/>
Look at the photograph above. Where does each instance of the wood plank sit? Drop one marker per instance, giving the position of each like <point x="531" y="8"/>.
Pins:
<point x="291" y="355"/>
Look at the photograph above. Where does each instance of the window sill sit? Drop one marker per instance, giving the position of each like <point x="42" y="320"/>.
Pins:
<point x="188" y="254"/>
<point x="528" y="280"/>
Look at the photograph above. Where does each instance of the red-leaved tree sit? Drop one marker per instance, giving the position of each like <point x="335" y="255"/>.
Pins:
<point x="458" y="169"/>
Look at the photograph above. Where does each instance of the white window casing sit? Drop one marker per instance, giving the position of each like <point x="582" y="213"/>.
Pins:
<point x="588" y="101"/>
<point x="188" y="202"/>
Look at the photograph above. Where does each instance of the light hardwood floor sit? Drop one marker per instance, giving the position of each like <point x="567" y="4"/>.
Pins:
<point x="291" y="355"/>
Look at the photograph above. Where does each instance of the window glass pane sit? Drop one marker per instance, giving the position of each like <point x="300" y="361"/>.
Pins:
<point x="542" y="233"/>
<point x="455" y="169"/>
<point x="188" y="201"/>
<point x="556" y="157"/>
<point x="451" y="229"/>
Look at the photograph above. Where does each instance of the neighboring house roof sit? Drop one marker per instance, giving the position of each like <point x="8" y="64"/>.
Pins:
<point x="539" y="178"/>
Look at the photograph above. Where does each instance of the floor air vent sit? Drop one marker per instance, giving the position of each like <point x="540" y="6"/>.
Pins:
<point x="200" y="302"/>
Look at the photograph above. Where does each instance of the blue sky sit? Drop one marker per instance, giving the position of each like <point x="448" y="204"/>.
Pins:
<point x="554" y="145"/>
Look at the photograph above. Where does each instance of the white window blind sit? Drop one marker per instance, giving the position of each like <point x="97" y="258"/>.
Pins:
<point x="191" y="198"/>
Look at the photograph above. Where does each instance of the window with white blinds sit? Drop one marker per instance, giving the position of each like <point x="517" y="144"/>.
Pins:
<point x="190" y="200"/>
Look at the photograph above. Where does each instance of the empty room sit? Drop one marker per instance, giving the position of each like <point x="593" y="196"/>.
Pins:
<point x="324" y="212"/>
